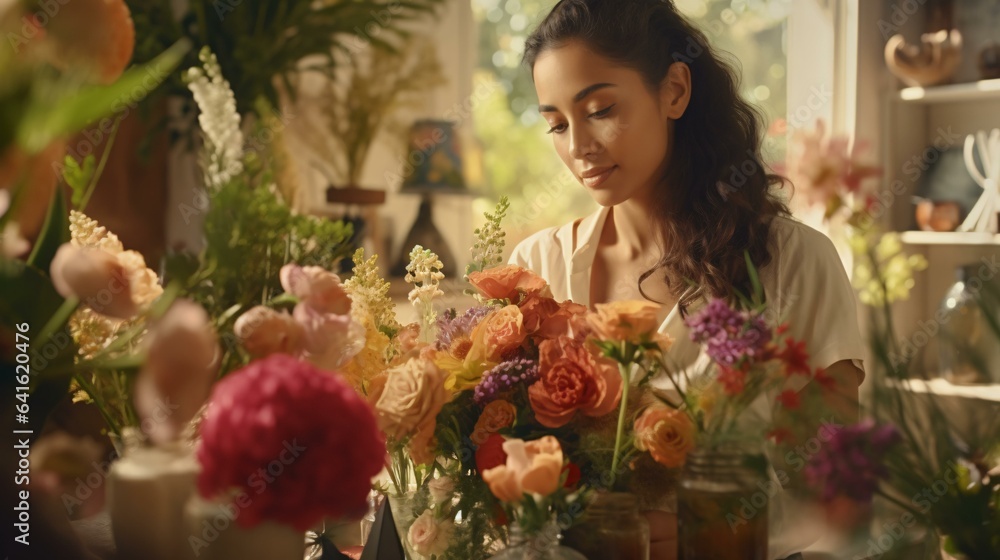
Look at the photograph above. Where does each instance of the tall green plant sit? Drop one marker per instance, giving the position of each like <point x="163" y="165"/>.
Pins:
<point x="262" y="43"/>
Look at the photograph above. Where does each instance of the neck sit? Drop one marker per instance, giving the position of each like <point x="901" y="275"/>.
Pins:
<point x="632" y="228"/>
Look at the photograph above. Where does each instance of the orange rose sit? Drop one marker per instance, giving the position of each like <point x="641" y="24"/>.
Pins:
<point x="536" y="309"/>
<point x="573" y="378"/>
<point x="532" y="467"/>
<point x="667" y="434"/>
<point x="499" y="332"/>
<point x="624" y="320"/>
<point x="497" y="415"/>
<point x="509" y="282"/>
<point x="569" y="320"/>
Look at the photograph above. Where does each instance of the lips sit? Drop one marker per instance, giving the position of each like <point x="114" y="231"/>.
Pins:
<point x="592" y="178"/>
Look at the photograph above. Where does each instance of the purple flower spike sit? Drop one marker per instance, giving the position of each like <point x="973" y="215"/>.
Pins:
<point x="504" y="378"/>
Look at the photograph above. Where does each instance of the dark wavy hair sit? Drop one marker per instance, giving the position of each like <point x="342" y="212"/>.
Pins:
<point x="716" y="201"/>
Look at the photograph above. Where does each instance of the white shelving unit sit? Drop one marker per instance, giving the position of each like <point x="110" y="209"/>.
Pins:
<point x="917" y="124"/>
<point x="949" y="238"/>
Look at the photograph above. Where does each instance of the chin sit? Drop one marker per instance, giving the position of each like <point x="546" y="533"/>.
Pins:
<point x="608" y="197"/>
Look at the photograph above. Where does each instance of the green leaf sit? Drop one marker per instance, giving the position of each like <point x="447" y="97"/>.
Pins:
<point x="70" y="110"/>
<point x="55" y="232"/>
<point x="758" y="290"/>
<point x="78" y="178"/>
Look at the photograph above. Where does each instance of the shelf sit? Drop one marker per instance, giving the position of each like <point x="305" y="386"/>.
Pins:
<point x="971" y="91"/>
<point x="949" y="238"/>
<point x="943" y="388"/>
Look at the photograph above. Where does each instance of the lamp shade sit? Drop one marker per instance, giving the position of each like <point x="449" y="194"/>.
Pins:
<point x="433" y="158"/>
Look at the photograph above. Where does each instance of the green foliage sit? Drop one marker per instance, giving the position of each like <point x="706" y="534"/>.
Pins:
<point x="250" y="233"/>
<point x="487" y="250"/>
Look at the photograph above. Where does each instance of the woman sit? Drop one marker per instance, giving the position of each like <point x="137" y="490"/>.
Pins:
<point x="647" y="116"/>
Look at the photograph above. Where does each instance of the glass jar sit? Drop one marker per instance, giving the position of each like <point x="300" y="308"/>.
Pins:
<point x="611" y="529"/>
<point x="723" y="505"/>
<point x="543" y="545"/>
<point x="970" y="347"/>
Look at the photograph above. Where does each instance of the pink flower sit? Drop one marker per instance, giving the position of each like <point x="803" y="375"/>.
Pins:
<point x="826" y="167"/>
<point x="331" y="340"/>
<point x="571" y="379"/>
<point x="96" y="278"/>
<point x="300" y="443"/>
<point x="317" y="287"/>
<point x="532" y="467"/>
<point x="180" y="367"/>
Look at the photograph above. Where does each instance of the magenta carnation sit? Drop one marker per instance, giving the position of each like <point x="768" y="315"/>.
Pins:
<point x="852" y="462"/>
<point x="297" y="441"/>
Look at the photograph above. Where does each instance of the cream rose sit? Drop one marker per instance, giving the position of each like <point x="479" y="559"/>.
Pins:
<point x="441" y="489"/>
<point x="428" y="536"/>
<point x="410" y="401"/>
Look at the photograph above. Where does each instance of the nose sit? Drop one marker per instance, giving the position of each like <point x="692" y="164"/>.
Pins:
<point x="583" y="144"/>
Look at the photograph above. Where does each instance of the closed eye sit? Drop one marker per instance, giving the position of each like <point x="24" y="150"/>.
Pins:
<point x="596" y="115"/>
<point x="603" y="112"/>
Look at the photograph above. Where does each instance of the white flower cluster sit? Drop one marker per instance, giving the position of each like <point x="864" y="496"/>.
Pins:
<point x="220" y="123"/>
<point x="424" y="273"/>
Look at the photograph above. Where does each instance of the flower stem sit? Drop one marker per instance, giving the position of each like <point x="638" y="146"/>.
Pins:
<point x="623" y="369"/>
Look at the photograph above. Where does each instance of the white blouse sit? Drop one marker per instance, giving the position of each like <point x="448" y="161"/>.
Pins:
<point x="805" y="286"/>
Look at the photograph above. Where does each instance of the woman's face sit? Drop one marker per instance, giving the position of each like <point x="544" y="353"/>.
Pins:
<point x="606" y="125"/>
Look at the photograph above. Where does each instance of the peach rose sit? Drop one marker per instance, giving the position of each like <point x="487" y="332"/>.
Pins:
<point x="667" y="433"/>
<point x="624" y="320"/>
<point x="317" y="287"/>
<point x="96" y="278"/>
<point x="182" y="358"/>
<point x="428" y="536"/>
<point x="571" y="379"/>
<point x="264" y="331"/>
<point x="509" y="282"/>
<point x="569" y="320"/>
<point x="497" y="415"/>
<point x="532" y="467"/>
<point x="410" y="402"/>
<point x="499" y="332"/>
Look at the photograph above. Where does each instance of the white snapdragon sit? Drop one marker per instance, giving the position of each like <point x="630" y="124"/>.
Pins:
<point x="219" y="120"/>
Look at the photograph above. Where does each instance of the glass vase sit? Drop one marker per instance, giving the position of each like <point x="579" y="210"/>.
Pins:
<point x="722" y="509"/>
<point x="543" y="545"/>
<point x="611" y="528"/>
<point x="970" y="349"/>
<point x="403" y="517"/>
